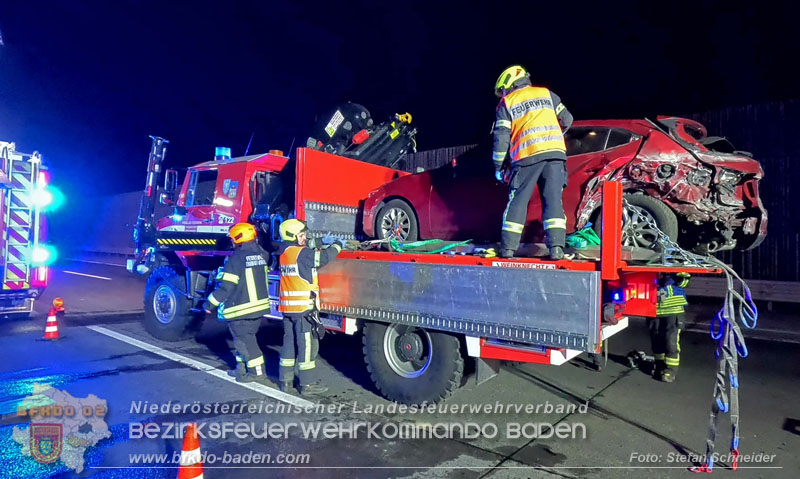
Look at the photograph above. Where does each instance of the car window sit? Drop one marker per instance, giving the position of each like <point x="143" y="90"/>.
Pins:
<point x="618" y="137"/>
<point x="585" y="139"/>
<point x="202" y="185"/>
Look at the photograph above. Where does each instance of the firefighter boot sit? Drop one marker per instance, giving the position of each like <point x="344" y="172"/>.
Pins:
<point x="556" y="253"/>
<point x="658" y="368"/>
<point x="285" y="386"/>
<point x="254" y="374"/>
<point x="312" y="389"/>
<point x="507" y="253"/>
<point x="667" y="375"/>
<point x="240" y="370"/>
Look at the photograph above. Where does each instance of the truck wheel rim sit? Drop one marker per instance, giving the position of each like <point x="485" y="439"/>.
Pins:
<point x="396" y="224"/>
<point x="395" y="338"/>
<point x="638" y="228"/>
<point x="164" y="304"/>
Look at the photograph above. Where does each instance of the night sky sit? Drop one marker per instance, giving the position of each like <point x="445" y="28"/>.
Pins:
<point x="85" y="82"/>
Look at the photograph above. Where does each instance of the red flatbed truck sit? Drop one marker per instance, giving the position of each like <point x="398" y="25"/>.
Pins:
<point x="421" y="314"/>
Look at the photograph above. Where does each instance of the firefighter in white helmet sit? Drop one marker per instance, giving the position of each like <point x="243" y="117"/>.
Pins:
<point x="242" y="298"/>
<point x="298" y="303"/>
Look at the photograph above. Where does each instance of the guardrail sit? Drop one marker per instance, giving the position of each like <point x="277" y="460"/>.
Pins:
<point x="762" y="290"/>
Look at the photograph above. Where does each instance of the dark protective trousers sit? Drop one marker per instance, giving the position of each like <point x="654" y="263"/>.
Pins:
<point x="244" y="340"/>
<point x="665" y="337"/>
<point x="551" y="176"/>
<point x="299" y="349"/>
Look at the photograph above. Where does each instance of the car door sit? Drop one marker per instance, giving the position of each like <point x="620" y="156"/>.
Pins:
<point x="466" y="202"/>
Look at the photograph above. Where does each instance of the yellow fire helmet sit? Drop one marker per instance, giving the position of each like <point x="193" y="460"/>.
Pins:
<point x="291" y="228"/>
<point x="507" y="79"/>
<point x="242" y="233"/>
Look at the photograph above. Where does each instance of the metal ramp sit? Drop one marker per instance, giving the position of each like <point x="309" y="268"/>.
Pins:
<point x="19" y="216"/>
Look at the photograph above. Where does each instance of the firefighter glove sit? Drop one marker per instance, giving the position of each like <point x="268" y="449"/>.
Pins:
<point x="498" y="175"/>
<point x="328" y="239"/>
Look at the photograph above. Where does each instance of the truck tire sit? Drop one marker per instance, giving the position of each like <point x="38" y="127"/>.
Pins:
<point x="168" y="313"/>
<point x="397" y="217"/>
<point x="639" y="234"/>
<point x="411" y="365"/>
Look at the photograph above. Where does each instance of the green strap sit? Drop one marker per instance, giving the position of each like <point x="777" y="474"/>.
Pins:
<point x="413" y="247"/>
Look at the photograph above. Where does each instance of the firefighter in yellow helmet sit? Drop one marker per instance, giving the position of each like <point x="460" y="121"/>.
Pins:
<point x="241" y="299"/>
<point x="528" y="127"/>
<point x="298" y="304"/>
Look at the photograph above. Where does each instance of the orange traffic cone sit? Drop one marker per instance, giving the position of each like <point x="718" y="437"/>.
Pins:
<point x="191" y="466"/>
<point x="51" y="328"/>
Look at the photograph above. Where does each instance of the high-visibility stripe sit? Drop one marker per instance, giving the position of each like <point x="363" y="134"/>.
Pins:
<point x="252" y="292"/>
<point x="239" y="314"/>
<point x="306" y="294"/>
<point x="555" y="223"/>
<point x="307" y="340"/>
<point x="298" y="302"/>
<point x="213" y="300"/>
<point x="317" y="258"/>
<point x="537" y="141"/>
<point x="672" y="361"/>
<point x="255" y="362"/>
<point x="560" y="108"/>
<point x="498" y="156"/>
<point x="678" y="341"/>
<point x="230" y="277"/>
<point x="503" y="124"/>
<point x="251" y="304"/>
<point x="305" y="366"/>
<point x="239" y="358"/>
<point x="287" y="362"/>
<point x="513" y="227"/>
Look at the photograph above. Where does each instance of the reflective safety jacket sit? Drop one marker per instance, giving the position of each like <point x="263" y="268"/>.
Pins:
<point x="528" y="125"/>
<point x="299" y="285"/>
<point x="243" y="291"/>
<point x="672" y="297"/>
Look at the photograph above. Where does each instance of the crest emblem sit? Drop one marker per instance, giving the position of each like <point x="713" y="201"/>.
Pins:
<point x="226" y="186"/>
<point x="234" y="187"/>
<point x="46" y="442"/>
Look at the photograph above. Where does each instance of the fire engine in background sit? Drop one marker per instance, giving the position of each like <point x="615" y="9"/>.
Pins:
<point x="24" y="196"/>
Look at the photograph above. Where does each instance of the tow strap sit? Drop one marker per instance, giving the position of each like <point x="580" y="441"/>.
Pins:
<point x="730" y="346"/>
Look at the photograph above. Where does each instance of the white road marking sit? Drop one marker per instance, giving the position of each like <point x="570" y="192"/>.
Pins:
<point x="206" y="368"/>
<point x="95" y="262"/>
<point x="87" y="275"/>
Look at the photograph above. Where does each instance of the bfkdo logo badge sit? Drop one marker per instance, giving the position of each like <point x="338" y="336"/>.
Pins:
<point x="46" y="442"/>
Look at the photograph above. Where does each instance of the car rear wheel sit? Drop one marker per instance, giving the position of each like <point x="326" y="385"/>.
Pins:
<point x="637" y="227"/>
<point x="397" y="220"/>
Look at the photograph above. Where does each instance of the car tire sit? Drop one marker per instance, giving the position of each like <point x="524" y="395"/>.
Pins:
<point x="638" y="234"/>
<point x="168" y="314"/>
<point x="407" y="382"/>
<point x="397" y="215"/>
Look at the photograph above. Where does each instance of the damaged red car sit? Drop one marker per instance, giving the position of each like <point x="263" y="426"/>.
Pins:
<point x="699" y="190"/>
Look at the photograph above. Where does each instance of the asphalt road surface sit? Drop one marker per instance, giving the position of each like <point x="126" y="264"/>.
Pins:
<point x="573" y="421"/>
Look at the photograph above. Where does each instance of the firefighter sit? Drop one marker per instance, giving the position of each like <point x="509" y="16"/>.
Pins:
<point x="665" y="328"/>
<point x="298" y="303"/>
<point x="242" y="298"/>
<point x="528" y="124"/>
